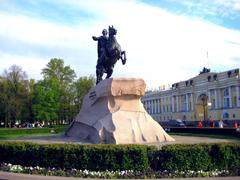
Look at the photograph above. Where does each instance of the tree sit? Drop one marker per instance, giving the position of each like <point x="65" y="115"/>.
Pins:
<point x="27" y="112"/>
<point x="46" y="100"/>
<point x="3" y="99"/>
<point x="56" y="70"/>
<point x="63" y="75"/>
<point x="82" y="86"/>
<point x="14" y="92"/>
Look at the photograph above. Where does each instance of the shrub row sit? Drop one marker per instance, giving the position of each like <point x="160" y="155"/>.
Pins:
<point x="91" y="157"/>
<point x="197" y="157"/>
<point x="123" y="157"/>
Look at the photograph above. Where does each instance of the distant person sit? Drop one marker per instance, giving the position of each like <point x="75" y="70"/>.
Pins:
<point x="235" y="124"/>
<point x="220" y="123"/>
<point x="211" y="123"/>
<point x="199" y="125"/>
<point x="206" y="123"/>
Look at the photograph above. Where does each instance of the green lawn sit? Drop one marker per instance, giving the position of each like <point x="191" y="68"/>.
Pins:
<point x="18" y="132"/>
<point x="206" y="135"/>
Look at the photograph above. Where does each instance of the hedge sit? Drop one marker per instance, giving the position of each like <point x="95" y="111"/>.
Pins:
<point x="206" y="157"/>
<point x="198" y="157"/>
<point x="91" y="157"/>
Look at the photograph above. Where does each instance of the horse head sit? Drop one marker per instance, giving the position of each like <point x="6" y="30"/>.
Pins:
<point x="112" y="31"/>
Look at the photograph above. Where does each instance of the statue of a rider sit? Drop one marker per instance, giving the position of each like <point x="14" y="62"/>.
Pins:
<point x="102" y="53"/>
<point x="109" y="51"/>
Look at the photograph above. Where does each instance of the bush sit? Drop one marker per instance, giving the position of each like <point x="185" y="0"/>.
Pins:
<point x="196" y="157"/>
<point x="205" y="157"/>
<point x="91" y="157"/>
<point x="183" y="157"/>
<point x="225" y="156"/>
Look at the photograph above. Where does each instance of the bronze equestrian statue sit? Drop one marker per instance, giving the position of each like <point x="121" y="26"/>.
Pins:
<point x="109" y="51"/>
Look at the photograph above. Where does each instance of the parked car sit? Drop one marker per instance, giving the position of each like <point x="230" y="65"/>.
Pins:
<point x="176" y="123"/>
<point x="164" y="123"/>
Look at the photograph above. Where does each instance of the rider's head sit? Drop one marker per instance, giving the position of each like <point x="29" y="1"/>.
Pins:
<point x="104" y="32"/>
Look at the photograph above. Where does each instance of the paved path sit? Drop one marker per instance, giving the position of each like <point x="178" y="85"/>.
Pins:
<point x="16" y="176"/>
<point x="63" y="139"/>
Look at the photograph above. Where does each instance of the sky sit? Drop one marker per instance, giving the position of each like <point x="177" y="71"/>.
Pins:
<point x="166" y="41"/>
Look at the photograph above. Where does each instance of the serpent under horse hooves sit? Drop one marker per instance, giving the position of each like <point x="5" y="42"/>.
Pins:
<point x="112" y="53"/>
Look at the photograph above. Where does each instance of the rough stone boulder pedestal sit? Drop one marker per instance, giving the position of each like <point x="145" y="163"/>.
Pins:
<point x="112" y="113"/>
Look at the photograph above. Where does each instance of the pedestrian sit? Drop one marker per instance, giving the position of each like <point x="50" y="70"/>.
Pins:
<point x="211" y="123"/>
<point x="220" y="123"/>
<point x="199" y="125"/>
<point x="235" y="124"/>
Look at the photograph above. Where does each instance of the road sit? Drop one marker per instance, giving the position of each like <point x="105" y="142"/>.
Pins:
<point x="16" y="176"/>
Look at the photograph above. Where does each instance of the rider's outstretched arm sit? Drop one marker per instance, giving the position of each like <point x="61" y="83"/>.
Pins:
<point x="95" y="38"/>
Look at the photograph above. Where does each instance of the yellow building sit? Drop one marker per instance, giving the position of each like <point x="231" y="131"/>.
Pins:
<point x="209" y="95"/>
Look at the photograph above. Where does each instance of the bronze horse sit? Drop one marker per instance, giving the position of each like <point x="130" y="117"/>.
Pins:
<point x="110" y="56"/>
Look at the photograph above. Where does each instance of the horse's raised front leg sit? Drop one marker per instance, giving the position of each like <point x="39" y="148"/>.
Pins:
<point x="123" y="57"/>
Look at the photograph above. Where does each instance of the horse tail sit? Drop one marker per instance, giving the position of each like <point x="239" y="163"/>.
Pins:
<point x="123" y="57"/>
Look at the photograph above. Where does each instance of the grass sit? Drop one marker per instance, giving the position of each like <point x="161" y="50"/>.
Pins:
<point x="20" y="132"/>
<point x="206" y="135"/>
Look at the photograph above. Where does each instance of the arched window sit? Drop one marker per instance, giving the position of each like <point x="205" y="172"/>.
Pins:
<point x="225" y="115"/>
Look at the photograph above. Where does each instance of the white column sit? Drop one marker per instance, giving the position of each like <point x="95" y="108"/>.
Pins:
<point x="192" y="103"/>
<point x="172" y="103"/>
<point x="147" y="106"/>
<point x="187" y="102"/>
<point x="216" y="99"/>
<point x="230" y="96"/>
<point x="177" y="104"/>
<point x="156" y="106"/>
<point x="159" y="107"/>
<point x="209" y="99"/>
<point x="165" y="106"/>
<point x="220" y="99"/>
<point x="180" y="103"/>
<point x="238" y="100"/>
<point x="155" y="103"/>
<point x="151" y="106"/>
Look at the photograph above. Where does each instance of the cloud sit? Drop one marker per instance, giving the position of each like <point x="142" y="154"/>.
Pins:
<point x="32" y="65"/>
<point x="161" y="47"/>
<point x="224" y="8"/>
